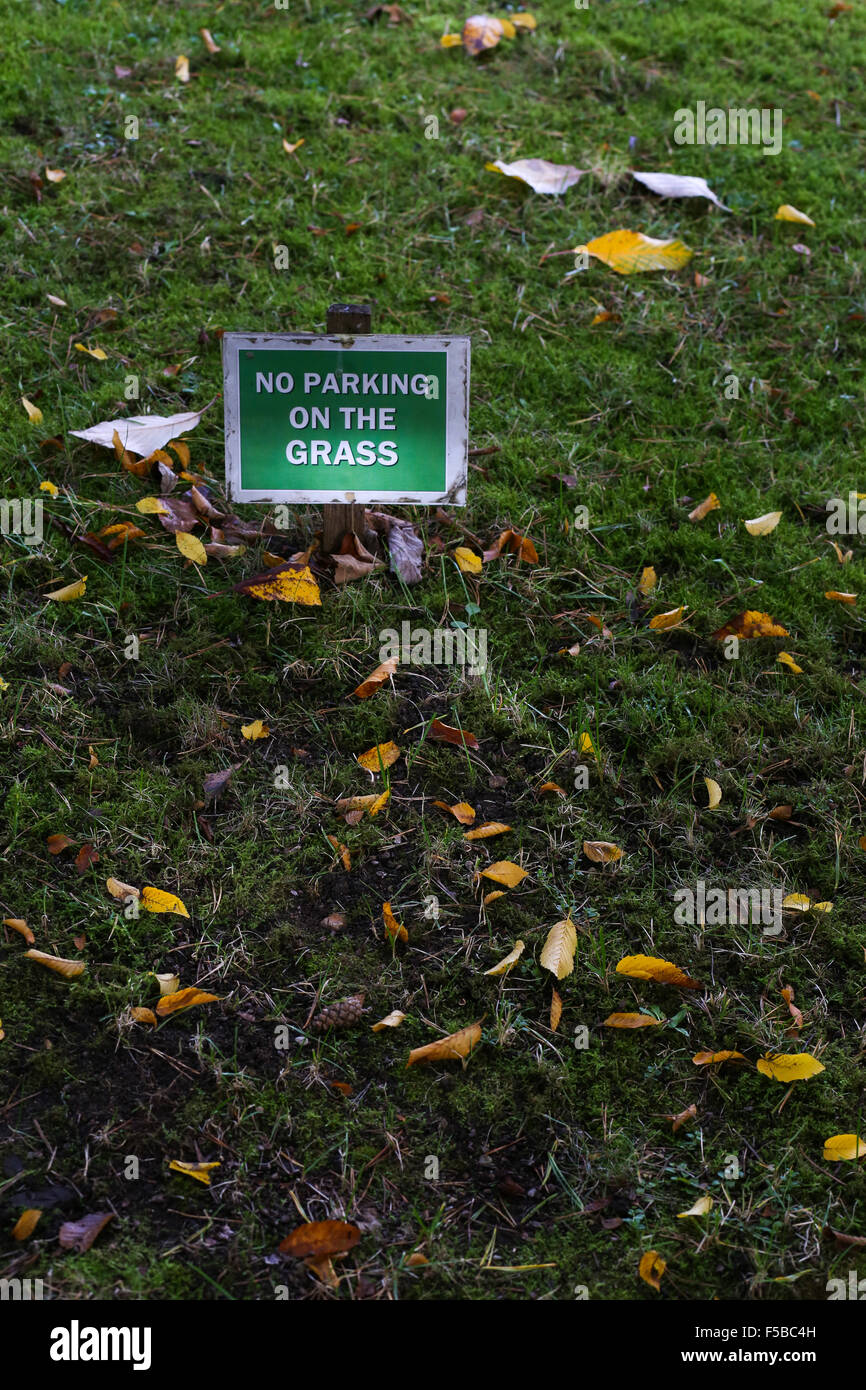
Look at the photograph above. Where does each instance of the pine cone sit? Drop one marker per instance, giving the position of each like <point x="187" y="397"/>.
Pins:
<point x="342" y="1014"/>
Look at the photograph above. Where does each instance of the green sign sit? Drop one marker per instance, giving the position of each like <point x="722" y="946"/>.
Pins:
<point x="346" y="419"/>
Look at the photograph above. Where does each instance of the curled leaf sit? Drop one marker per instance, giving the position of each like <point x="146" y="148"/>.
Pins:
<point x="456" y="1045"/>
<point x="184" y="999"/>
<point x="69" y="969"/>
<point x="200" y="1171"/>
<point x="507" y="964"/>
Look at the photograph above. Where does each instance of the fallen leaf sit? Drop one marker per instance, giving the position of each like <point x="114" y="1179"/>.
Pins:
<point x="123" y="891"/>
<point x="702" y="1207"/>
<point x="651" y="1268"/>
<point x="376" y="679"/>
<point x="705" y="1059"/>
<point x="56" y="844"/>
<point x="677" y="1121"/>
<point x="631" y="252"/>
<point x="208" y="41"/>
<point x="551" y="789"/>
<point x="444" y="733"/>
<point x="393" y="929"/>
<point x="507" y="964"/>
<point x="18" y="924"/>
<point x="69" y="591"/>
<point x="320" y="1239"/>
<point x="289" y="585"/>
<point x="791" y="1066"/>
<point x="602" y="851"/>
<point x="456" y="1045"/>
<point x="140" y="1015"/>
<point x="486" y="831"/>
<point x="461" y="811"/>
<point x="141" y="434"/>
<point x="709" y="504"/>
<point x="467" y="560"/>
<point x="86" y="856"/>
<point x="69" y="969"/>
<point x="540" y="175"/>
<point x="555" y="1011"/>
<point x="156" y="900"/>
<point x="787" y="213"/>
<point x="181" y="68"/>
<point x="512" y="540"/>
<point x="26" y="1224"/>
<point x="797" y="902"/>
<point x="96" y="352"/>
<point x="605" y="316"/>
<point x="503" y="871"/>
<point x="749" y="625"/>
<point x="215" y="783"/>
<point x="80" y="1235"/>
<point x="167" y="981"/>
<point x="842" y="1146"/>
<point x="787" y="660"/>
<point x="256" y="730"/>
<point x="663" y="972"/>
<point x="763" y="525"/>
<point x="662" y="621"/>
<point x="391" y="1020"/>
<point x="200" y="1171"/>
<point x="647" y="581"/>
<point x="788" y="995"/>
<point x="524" y="20"/>
<point x="341" y="850"/>
<point x="152" y="506"/>
<point x="376" y="759"/>
<point x="34" y="414"/>
<point x="557" y="954"/>
<point x="835" y="595"/>
<point x="184" y="999"/>
<point x="678" y="186"/>
<point x="617" y="1020"/>
<point x="191" y="547"/>
<point x="714" y="792"/>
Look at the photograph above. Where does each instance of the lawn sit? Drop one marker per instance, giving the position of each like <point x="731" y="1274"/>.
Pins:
<point x="604" y="409"/>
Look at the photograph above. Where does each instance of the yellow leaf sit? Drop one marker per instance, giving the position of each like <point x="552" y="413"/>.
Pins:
<point x="704" y="1059"/>
<point x="191" y="547"/>
<point x="290" y="585"/>
<point x="200" y="1171"/>
<point x="647" y="581"/>
<point x="481" y="31"/>
<point x="458" y="1044"/>
<point x="787" y="660"/>
<point x="835" y="595"/>
<point x="484" y="832"/>
<point x="508" y="962"/>
<point x="714" y="792"/>
<point x="617" y="1020"/>
<point x="291" y="147"/>
<point x="151" y="506"/>
<point x="380" y="757"/>
<point x="181" y="68"/>
<point x="491" y="897"/>
<point x="257" y="729"/>
<point x="33" y="411"/>
<point x="652" y="968"/>
<point x="651" y="1268"/>
<point x="508" y="29"/>
<point x="467" y="560"/>
<point x="69" y="591"/>
<point x="67" y="968"/>
<point x="52" y="488"/>
<point x="629" y="252"/>
<point x="144" y="1016"/>
<point x="555" y="1010"/>
<point x="26" y="1223"/>
<point x="376" y="678"/>
<point x="701" y="1207"/>
<point x="92" y="352"/>
<point x="524" y="20"/>
<point x="156" y="900"/>
<point x="503" y="871"/>
<point x="391" y="1020"/>
<point x="557" y="955"/>
<point x="790" y="1066"/>
<point x="843" y="1146"/>
<point x="787" y="213"/>
<point x="662" y="621"/>
<point x="751" y="624"/>
<point x="184" y="999"/>
<point x="763" y="525"/>
<point x="585" y="744"/>
<point x="797" y="902"/>
<point x="450" y="40"/>
<point x="822" y="907"/>
<point x="167" y="982"/>
<point x="461" y="811"/>
<point x="393" y="929"/>
<point x="379" y="801"/>
<point x="602" y="851"/>
<point x="709" y="504"/>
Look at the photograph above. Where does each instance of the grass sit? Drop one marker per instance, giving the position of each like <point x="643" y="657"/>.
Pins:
<point x="549" y="1155"/>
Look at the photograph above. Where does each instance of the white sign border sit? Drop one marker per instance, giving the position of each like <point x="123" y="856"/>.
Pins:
<point x="456" y="414"/>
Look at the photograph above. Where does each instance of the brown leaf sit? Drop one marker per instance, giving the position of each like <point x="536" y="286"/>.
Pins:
<point x="215" y="783"/>
<point x="680" y="1119"/>
<point x="788" y="996"/>
<point x="345" y="856"/>
<point x="80" y="1235"/>
<point x="456" y="1045"/>
<point x="319" y="1239"/>
<point x="709" y="504"/>
<point x="517" y="544"/>
<point x="444" y="733"/>
<point x="56" y="844"/>
<point x="86" y="856"/>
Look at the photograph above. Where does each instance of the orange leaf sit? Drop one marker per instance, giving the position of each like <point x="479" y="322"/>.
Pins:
<point x="393" y="928"/>
<point x="377" y="678"/>
<point x="26" y="1223"/>
<point x="631" y="1021"/>
<point x="380" y="757"/>
<point x="461" y="811"/>
<point x="18" y="924"/>
<point x="555" y="1011"/>
<point x="651" y="1268"/>
<point x="67" y="968"/>
<point x="705" y="1059"/>
<point x="184" y="999"/>
<point x="484" y="832"/>
<point x="709" y="504"/>
<point x="751" y="624"/>
<point x="320" y="1239"/>
<point x="443" y="733"/>
<point x="56" y="844"/>
<point x="456" y="1045"/>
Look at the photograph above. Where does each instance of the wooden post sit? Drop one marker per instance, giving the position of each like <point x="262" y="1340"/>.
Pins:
<point x="341" y="517"/>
